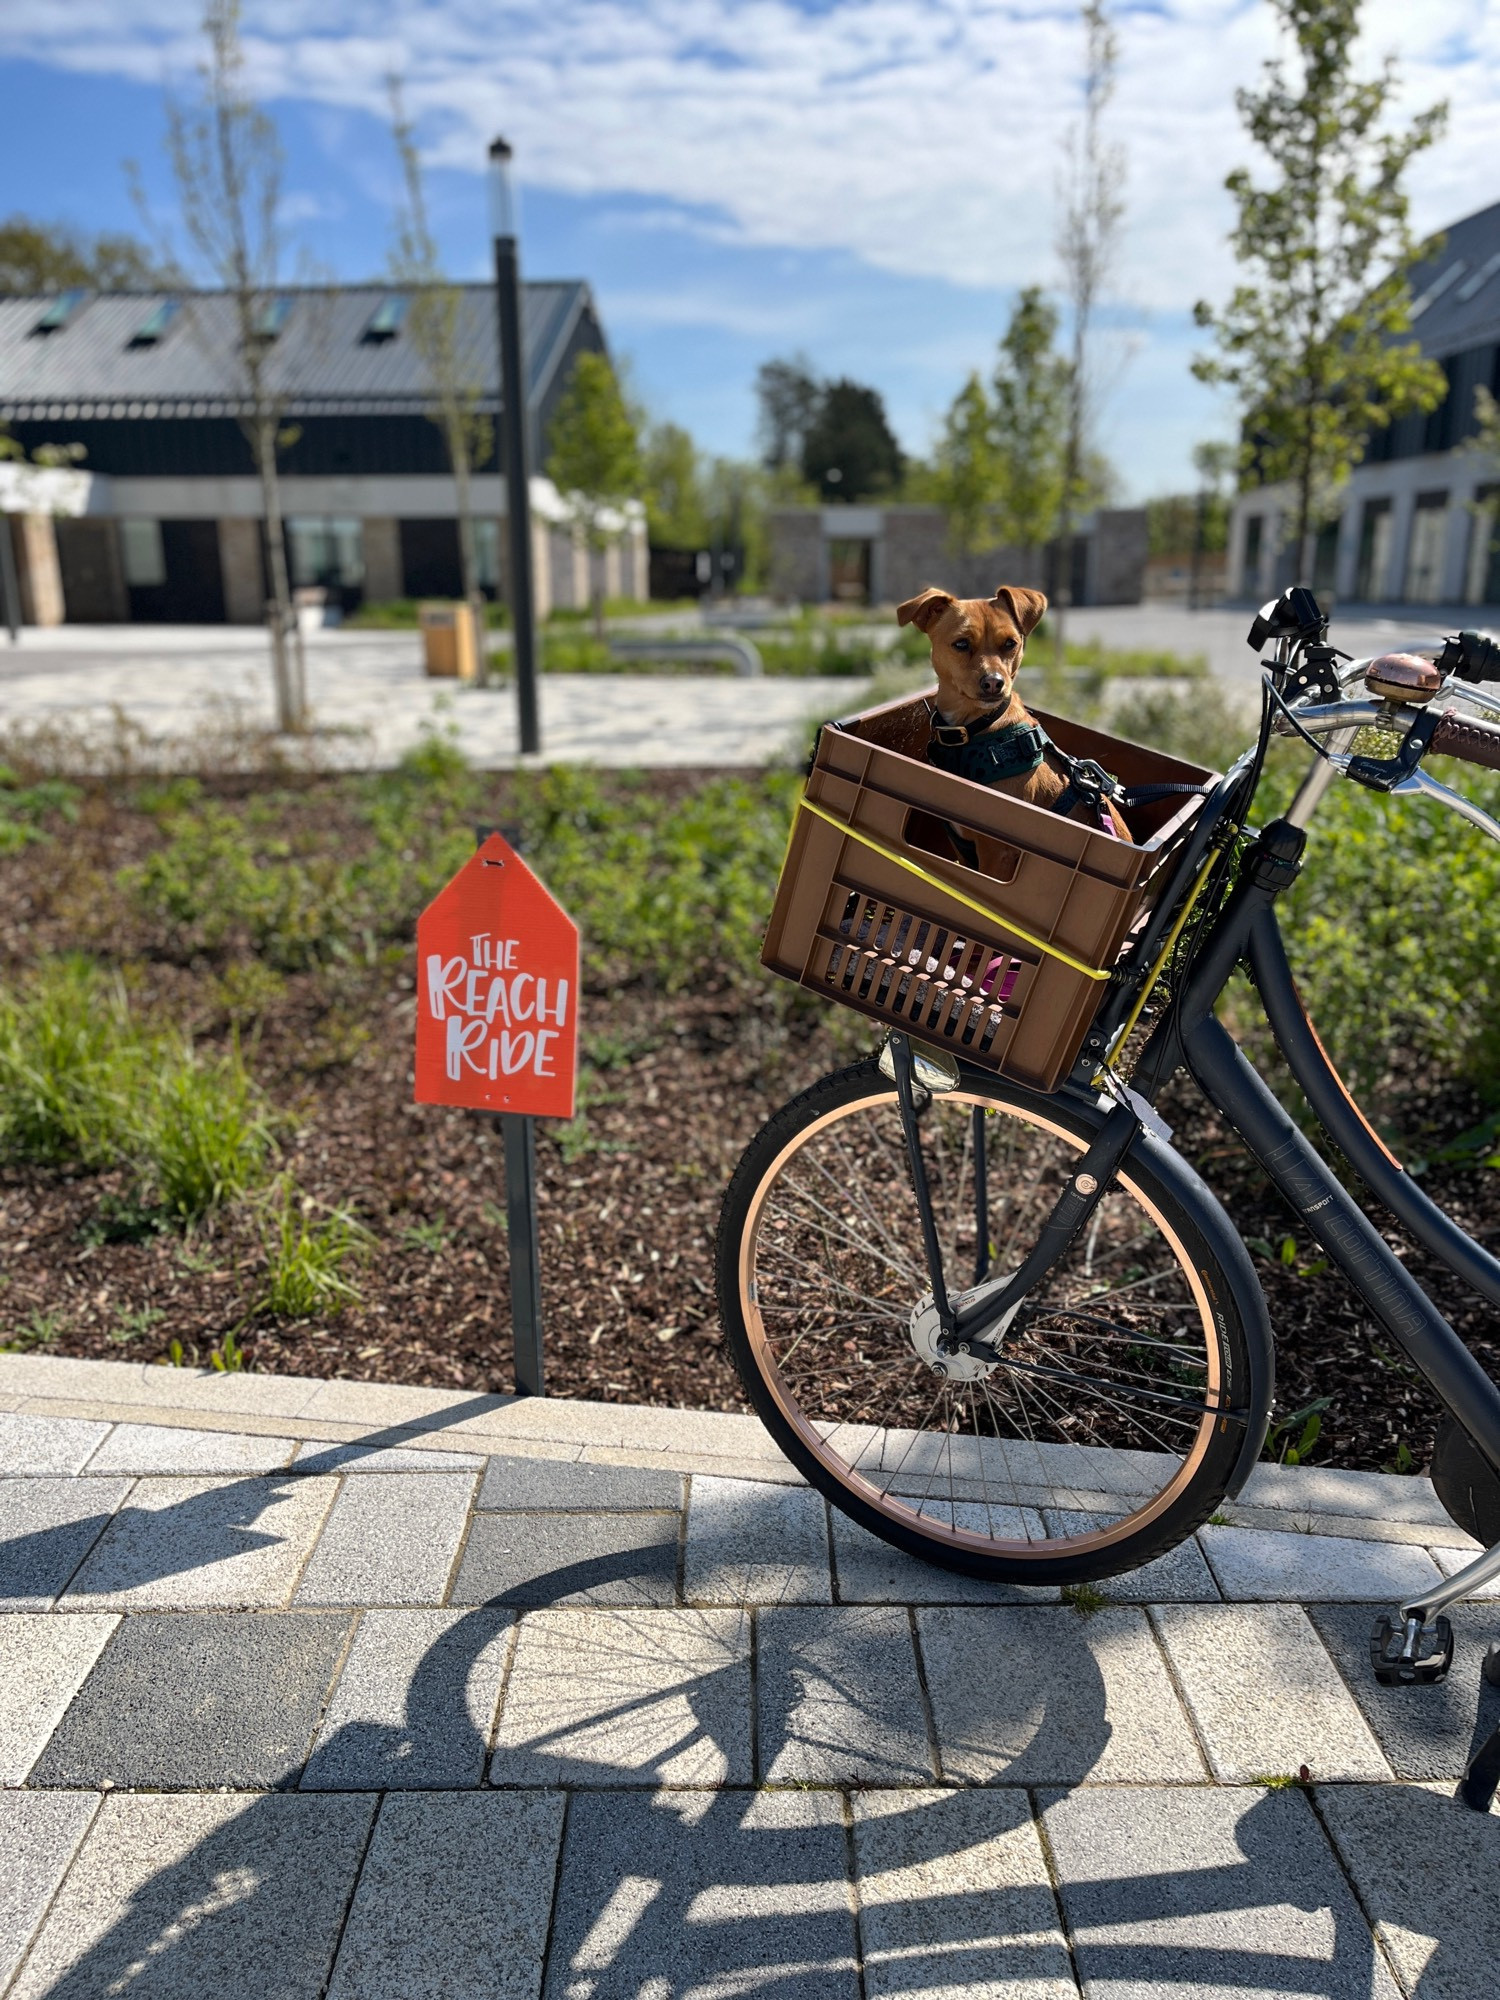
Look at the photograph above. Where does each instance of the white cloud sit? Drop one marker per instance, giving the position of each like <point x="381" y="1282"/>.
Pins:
<point x="921" y="136"/>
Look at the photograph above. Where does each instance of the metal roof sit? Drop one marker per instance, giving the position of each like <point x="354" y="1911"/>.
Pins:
<point x="96" y="365"/>
<point x="1456" y="294"/>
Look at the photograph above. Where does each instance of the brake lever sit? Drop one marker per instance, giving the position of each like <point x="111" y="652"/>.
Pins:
<point x="1420" y="784"/>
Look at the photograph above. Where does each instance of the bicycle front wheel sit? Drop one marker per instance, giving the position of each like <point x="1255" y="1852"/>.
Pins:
<point x="1113" y="1421"/>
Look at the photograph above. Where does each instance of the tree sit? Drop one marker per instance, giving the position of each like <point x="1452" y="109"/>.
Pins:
<point x="849" y="450"/>
<point x="672" y="480"/>
<point x="1087" y="242"/>
<point x="790" y="396"/>
<point x="1032" y="406"/>
<point x="967" y="469"/>
<point x="432" y="328"/>
<point x="595" y="462"/>
<point x="1312" y="343"/>
<point x="226" y="160"/>
<point x="51" y="256"/>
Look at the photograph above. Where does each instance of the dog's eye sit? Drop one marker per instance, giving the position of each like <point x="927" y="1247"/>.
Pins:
<point x="1008" y="648"/>
<point x="960" y="645"/>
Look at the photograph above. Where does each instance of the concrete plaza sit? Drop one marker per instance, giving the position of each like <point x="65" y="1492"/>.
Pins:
<point x="319" y="1688"/>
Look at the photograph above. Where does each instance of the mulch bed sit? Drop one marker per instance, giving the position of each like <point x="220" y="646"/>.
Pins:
<point x="629" y="1198"/>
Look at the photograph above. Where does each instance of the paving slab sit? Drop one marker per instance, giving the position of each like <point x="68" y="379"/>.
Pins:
<point x="1035" y="1696"/>
<point x="1425" y="1732"/>
<point x="531" y="1485"/>
<point x="1450" y="1561"/>
<point x="453" y="1900"/>
<point x="44" y="1660"/>
<point x="569" y="1559"/>
<point x="1181" y="1576"/>
<point x="1208" y="1892"/>
<point x="30" y="1445"/>
<point x="646" y="1697"/>
<point x="716" y="1893"/>
<point x="1425" y="1867"/>
<point x="197" y="1699"/>
<point x="40" y="1833"/>
<point x="180" y="1897"/>
<point x="390" y="1539"/>
<point x="838" y="1701"/>
<point x="1265" y="1695"/>
<point x="955" y="1901"/>
<point x="316" y="1455"/>
<point x="1321" y="1489"/>
<point x="753" y="1543"/>
<point x="415" y="1704"/>
<point x="1354" y="1527"/>
<point x="188" y="1544"/>
<point x="870" y="1571"/>
<point x="47" y="1527"/>
<point x="1301" y="1569"/>
<point x="175" y="1448"/>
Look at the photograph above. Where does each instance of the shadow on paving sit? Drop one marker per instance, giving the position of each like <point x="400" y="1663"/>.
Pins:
<point x="666" y="1892"/>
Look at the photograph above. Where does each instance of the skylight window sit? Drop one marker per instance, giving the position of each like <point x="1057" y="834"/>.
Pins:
<point x="1440" y="285"/>
<point x="273" y="317"/>
<point x="155" y="324"/>
<point x="387" y="319"/>
<point x="1480" y="279"/>
<point x="61" y="310"/>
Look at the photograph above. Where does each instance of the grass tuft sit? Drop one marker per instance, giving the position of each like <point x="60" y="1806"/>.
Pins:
<point x="308" y="1262"/>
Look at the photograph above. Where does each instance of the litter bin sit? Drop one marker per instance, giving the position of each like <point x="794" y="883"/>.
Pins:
<point x="317" y="610"/>
<point x="450" y="648"/>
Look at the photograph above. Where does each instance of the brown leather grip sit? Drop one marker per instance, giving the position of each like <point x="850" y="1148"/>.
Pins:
<point x="1475" y="742"/>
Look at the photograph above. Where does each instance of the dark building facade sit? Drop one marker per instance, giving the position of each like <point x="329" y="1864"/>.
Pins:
<point x="148" y="386"/>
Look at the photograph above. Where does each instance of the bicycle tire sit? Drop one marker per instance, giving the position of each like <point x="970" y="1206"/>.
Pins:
<point x="1223" y="1407"/>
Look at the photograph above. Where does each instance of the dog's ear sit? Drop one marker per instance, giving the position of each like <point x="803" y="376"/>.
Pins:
<point x="925" y="609"/>
<point x="1025" y="606"/>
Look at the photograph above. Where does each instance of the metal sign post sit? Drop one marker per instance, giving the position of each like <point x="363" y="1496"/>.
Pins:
<point x="497" y="1031"/>
<point x="10" y="583"/>
<point x="513" y="441"/>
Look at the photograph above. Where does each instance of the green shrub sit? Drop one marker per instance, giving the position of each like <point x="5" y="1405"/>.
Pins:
<point x="307" y="1260"/>
<point x="24" y="809"/>
<point x="84" y="1080"/>
<point x="207" y="1135"/>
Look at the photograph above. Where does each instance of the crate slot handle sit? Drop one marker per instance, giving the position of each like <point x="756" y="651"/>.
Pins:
<point x="946" y="888"/>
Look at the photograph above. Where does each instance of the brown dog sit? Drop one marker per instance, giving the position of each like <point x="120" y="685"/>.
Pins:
<point x="977" y="645"/>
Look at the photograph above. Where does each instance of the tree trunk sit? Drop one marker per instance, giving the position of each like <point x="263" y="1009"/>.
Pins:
<point x="468" y="563"/>
<point x="286" y="665"/>
<point x="596" y="589"/>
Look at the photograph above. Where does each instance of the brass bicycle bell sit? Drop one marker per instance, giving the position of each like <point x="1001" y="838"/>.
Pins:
<point x="1403" y="677"/>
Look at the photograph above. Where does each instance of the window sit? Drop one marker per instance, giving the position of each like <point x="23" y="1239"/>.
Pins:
<point x="326" y="551"/>
<point x="141" y="554"/>
<point x="1482" y="583"/>
<point x="1372" y="577"/>
<point x="1440" y="285"/>
<point x="1325" y="558"/>
<point x="1424" y="554"/>
<point x="387" y="319"/>
<point x="1475" y="284"/>
<point x="1255" y="527"/>
<point x="61" y="310"/>
<point x="155" y="324"/>
<point x="273" y="317"/>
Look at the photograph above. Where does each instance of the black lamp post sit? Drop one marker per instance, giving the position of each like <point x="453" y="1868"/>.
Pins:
<point x="513" y="436"/>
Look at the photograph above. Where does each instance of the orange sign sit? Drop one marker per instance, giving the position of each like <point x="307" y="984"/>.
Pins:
<point x="497" y="991"/>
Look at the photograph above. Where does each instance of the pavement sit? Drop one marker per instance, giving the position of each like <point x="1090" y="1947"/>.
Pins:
<point x="118" y="697"/>
<point x="113" y="698"/>
<point x="317" y="1687"/>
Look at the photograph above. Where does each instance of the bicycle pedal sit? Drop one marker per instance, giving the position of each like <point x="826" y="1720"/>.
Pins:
<point x="1406" y="1653"/>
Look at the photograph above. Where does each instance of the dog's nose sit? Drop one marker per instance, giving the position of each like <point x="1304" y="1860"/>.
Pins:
<point x="991" y="684"/>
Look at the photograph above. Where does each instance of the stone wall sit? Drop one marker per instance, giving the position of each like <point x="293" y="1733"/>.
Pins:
<point x="796" y="566"/>
<point x="382" y="547"/>
<point x="1117" y="567"/>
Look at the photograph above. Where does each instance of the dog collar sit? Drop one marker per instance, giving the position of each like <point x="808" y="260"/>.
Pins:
<point x="1013" y="752"/>
<point x="955" y="734"/>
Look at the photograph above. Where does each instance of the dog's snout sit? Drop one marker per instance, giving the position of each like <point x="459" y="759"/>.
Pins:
<point x="990" y="685"/>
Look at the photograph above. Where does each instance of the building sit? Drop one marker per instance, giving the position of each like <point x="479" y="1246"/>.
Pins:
<point x="1418" y="524"/>
<point x="146" y="383"/>
<point x="880" y="555"/>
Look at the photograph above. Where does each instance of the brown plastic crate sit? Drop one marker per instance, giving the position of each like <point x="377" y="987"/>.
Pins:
<point x="862" y="929"/>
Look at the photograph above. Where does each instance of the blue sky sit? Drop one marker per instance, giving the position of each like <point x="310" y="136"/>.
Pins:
<point x="867" y="181"/>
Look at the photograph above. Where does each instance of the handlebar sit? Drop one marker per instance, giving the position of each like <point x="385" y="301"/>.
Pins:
<point x="1474" y="742"/>
<point x="1473" y="656"/>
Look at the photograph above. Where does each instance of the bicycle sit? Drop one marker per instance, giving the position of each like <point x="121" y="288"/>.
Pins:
<point x="1009" y="1329"/>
